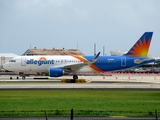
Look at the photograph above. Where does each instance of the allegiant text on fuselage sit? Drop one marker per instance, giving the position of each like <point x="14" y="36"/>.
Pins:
<point x="39" y="62"/>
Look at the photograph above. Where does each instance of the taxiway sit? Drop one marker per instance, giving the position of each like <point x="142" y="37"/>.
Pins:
<point x="92" y="82"/>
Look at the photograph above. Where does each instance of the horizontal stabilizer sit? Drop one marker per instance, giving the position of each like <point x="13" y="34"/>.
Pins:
<point x="137" y="61"/>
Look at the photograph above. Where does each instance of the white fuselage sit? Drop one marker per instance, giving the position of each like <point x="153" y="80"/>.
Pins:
<point x="43" y="64"/>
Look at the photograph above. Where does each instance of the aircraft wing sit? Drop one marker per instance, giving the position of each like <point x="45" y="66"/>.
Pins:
<point x="72" y="67"/>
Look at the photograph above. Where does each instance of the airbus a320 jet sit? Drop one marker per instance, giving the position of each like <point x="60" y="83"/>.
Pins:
<point x="59" y="65"/>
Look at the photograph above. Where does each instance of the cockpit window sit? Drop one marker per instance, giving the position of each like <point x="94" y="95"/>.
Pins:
<point x="12" y="61"/>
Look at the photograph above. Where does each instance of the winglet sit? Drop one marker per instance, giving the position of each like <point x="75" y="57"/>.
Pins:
<point x="96" y="57"/>
<point x="141" y="47"/>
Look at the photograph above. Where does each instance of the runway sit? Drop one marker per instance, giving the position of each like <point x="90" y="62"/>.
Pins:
<point x="92" y="82"/>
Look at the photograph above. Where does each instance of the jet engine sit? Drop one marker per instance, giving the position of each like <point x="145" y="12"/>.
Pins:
<point x="56" y="72"/>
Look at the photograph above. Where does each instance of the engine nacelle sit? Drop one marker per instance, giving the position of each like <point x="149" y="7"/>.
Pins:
<point x="56" y="72"/>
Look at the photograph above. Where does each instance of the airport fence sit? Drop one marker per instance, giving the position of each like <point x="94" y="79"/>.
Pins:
<point x="82" y="113"/>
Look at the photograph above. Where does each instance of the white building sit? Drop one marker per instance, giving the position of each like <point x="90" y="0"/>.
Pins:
<point x="117" y="52"/>
<point x="5" y="57"/>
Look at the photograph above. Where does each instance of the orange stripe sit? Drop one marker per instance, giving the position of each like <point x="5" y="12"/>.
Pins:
<point x="95" y="68"/>
<point x="81" y="58"/>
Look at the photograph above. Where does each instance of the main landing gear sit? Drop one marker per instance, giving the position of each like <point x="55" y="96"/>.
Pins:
<point x="75" y="77"/>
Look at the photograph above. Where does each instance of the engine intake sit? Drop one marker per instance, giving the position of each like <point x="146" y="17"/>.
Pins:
<point x="56" y="72"/>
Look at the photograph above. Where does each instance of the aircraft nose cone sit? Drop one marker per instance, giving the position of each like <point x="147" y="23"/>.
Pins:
<point x="5" y="66"/>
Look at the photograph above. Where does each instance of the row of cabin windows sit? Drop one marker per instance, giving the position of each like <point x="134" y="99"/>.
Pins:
<point x="102" y="61"/>
<point x="66" y="61"/>
<point x="106" y="61"/>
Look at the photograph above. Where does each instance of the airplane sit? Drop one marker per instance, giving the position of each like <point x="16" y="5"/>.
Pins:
<point x="58" y="65"/>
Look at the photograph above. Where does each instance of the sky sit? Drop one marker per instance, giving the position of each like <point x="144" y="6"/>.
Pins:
<point x="72" y="24"/>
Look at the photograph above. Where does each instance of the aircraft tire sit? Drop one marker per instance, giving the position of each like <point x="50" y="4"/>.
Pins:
<point x="23" y="77"/>
<point x="75" y="77"/>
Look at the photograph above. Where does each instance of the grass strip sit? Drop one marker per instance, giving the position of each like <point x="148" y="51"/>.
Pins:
<point x="90" y="102"/>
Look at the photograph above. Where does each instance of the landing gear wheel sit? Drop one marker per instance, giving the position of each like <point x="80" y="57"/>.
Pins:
<point x="75" y="77"/>
<point x="23" y="77"/>
<point x="17" y="77"/>
<point x="10" y="78"/>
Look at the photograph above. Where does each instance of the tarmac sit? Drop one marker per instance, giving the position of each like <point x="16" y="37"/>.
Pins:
<point x="116" y="81"/>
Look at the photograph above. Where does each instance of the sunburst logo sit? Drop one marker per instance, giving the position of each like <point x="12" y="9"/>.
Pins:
<point x="42" y="58"/>
<point x="140" y="48"/>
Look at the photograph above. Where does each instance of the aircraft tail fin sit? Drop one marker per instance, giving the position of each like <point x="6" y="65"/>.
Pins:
<point x="141" y="47"/>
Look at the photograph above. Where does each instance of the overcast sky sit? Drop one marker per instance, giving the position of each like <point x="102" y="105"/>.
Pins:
<point x="114" y="24"/>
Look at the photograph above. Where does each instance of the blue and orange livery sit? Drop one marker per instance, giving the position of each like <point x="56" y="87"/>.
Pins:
<point x="136" y="56"/>
<point x="62" y="65"/>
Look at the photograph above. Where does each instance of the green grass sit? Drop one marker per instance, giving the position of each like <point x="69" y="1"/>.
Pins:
<point x="86" y="100"/>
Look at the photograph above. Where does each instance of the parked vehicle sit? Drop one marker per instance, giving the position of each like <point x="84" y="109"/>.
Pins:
<point x="2" y="70"/>
<point x="139" y="70"/>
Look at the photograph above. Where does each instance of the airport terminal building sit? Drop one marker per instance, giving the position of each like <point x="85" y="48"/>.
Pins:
<point x="53" y="51"/>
